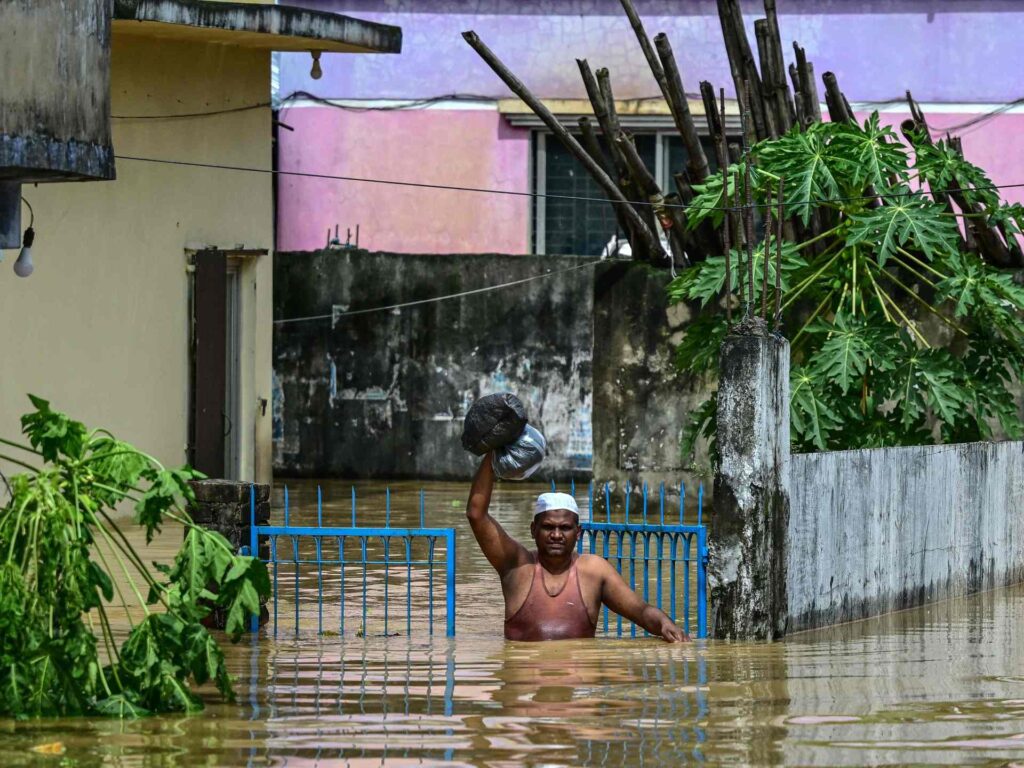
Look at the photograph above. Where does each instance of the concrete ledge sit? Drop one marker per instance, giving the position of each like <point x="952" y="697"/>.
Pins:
<point x="40" y="158"/>
<point x="271" y="27"/>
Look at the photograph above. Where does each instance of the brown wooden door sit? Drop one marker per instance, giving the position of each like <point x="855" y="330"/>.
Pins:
<point x="209" y="352"/>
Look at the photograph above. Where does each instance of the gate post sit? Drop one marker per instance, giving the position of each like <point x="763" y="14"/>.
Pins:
<point x="747" y="563"/>
<point x="223" y="506"/>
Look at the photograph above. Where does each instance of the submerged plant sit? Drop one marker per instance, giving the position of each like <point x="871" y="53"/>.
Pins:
<point x="904" y="328"/>
<point x="65" y="565"/>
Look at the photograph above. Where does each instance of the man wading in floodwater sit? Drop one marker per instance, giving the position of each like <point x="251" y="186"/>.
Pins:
<point x="553" y="593"/>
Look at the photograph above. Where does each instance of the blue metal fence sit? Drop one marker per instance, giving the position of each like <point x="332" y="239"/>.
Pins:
<point x="358" y="570"/>
<point x="670" y="548"/>
<point x="326" y="563"/>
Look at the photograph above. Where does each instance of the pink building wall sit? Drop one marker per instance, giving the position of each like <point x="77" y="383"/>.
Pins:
<point x="468" y="148"/>
<point x="957" y="53"/>
<point x="475" y="148"/>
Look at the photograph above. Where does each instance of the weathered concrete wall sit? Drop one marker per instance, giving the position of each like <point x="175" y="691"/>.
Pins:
<point x="872" y="531"/>
<point x="384" y="394"/>
<point x="747" y="568"/>
<point x="641" y="402"/>
<point x="55" y="99"/>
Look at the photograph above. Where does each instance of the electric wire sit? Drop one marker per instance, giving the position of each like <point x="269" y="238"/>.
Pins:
<point x="306" y="95"/>
<point x="414" y="104"/>
<point x="434" y="299"/>
<point x="548" y="195"/>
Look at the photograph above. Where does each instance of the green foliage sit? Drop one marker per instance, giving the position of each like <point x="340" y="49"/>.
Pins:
<point x="907" y="220"/>
<point x="899" y="336"/>
<point x="66" y="564"/>
<point x="811" y="165"/>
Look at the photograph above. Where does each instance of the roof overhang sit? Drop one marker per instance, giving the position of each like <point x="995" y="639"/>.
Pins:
<point x="269" y="27"/>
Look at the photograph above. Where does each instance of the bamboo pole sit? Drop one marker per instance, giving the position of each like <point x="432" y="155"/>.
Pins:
<point x="645" y="46"/>
<point x="772" y="121"/>
<point x="696" y="161"/>
<point x="608" y="130"/>
<point x="517" y="87"/>
<point x="715" y="117"/>
<point x="646" y="212"/>
<point x="593" y="146"/>
<point x="990" y="245"/>
<point x="784" y="100"/>
<point x="838" y="107"/>
<point x="680" y="232"/>
<point x="741" y="61"/>
<point x="805" y="73"/>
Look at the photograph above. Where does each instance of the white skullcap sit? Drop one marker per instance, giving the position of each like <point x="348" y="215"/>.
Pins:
<point x="548" y="501"/>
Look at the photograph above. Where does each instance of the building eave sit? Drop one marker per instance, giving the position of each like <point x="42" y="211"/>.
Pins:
<point x="269" y="27"/>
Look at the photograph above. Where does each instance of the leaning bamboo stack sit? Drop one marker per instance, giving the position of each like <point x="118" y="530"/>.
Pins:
<point x="773" y="99"/>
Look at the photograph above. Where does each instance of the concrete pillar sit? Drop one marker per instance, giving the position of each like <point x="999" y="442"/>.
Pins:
<point x="747" y="564"/>
<point x="223" y="506"/>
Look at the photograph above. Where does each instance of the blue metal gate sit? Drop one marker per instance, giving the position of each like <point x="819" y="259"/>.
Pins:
<point x="317" y="565"/>
<point x="672" y="549"/>
<point x="307" y="555"/>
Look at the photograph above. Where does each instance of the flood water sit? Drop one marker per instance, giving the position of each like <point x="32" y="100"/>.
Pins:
<point x="939" y="685"/>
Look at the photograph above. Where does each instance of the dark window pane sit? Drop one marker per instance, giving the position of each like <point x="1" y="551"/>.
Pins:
<point x="677" y="155"/>
<point x="579" y="227"/>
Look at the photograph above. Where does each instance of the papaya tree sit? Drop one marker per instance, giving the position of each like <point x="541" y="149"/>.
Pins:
<point x="67" y="569"/>
<point x="902" y="329"/>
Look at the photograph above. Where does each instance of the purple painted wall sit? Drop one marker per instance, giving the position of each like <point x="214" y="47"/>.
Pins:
<point x="947" y="52"/>
<point x="942" y="50"/>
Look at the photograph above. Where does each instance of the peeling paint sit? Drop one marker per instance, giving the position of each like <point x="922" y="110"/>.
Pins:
<point x="385" y="393"/>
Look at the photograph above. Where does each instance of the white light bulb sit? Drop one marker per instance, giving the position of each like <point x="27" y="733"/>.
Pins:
<point x="23" y="267"/>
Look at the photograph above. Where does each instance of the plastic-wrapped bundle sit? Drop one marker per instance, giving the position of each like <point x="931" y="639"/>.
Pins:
<point x="520" y="458"/>
<point x="493" y="421"/>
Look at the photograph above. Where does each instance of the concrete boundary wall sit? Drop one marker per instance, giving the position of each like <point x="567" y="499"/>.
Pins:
<point x="859" y="533"/>
<point x="384" y="394"/>
<point x="872" y="531"/>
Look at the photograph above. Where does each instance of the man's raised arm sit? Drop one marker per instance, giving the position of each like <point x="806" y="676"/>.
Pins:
<point x="501" y="550"/>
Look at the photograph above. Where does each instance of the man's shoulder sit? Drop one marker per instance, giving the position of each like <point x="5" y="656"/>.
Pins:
<point x="592" y="563"/>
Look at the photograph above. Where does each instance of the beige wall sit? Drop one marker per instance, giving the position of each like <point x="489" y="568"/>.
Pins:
<point x="101" y="327"/>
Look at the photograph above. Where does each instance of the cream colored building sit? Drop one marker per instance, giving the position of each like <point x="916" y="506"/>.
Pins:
<point x="103" y="327"/>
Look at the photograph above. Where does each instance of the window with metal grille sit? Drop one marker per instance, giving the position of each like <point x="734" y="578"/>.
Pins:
<point x="583" y="227"/>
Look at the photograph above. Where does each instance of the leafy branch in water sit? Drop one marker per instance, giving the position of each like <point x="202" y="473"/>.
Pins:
<point x="65" y="565"/>
<point x="902" y="333"/>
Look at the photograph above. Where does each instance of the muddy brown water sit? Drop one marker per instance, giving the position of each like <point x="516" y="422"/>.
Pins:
<point x="939" y="685"/>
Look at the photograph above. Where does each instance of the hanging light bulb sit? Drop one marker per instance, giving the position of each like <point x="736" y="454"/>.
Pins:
<point x="315" y="72"/>
<point x="23" y="267"/>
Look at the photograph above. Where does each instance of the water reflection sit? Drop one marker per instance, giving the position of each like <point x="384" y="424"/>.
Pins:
<point x="943" y="685"/>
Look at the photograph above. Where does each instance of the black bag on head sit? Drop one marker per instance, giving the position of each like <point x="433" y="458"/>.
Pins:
<point x="493" y="421"/>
